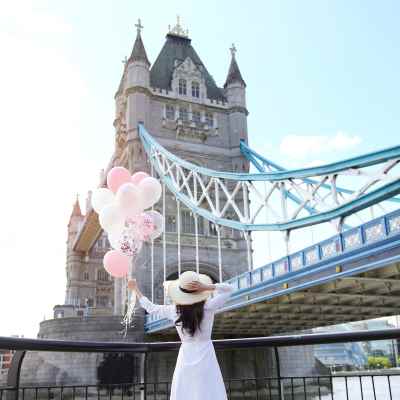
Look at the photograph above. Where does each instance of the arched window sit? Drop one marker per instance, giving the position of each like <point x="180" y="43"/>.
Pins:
<point x="170" y="112"/>
<point x="182" y="86"/>
<point x="183" y="114"/>
<point x="209" y="120"/>
<point x="196" y="117"/>
<point x="195" y="89"/>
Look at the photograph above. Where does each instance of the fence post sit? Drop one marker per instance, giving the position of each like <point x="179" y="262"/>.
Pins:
<point x="13" y="375"/>
<point x="143" y="376"/>
<point x="278" y="373"/>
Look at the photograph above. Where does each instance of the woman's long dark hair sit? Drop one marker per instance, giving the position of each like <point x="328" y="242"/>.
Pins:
<point x="190" y="316"/>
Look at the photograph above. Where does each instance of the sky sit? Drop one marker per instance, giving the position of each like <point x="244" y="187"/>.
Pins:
<point x="322" y="85"/>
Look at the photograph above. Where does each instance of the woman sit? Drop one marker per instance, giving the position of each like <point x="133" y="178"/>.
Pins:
<point x="197" y="371"/>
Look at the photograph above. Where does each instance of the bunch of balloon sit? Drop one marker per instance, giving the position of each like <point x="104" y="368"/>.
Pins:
<point x="121" y="207"/>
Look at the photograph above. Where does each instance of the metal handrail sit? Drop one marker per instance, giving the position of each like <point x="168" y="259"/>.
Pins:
<point x="25" y="344"/>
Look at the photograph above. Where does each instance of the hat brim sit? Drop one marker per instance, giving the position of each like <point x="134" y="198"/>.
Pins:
<point x="181" y="298"/>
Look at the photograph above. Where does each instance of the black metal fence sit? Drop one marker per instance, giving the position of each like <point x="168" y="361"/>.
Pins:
<point x="346" y="386"/>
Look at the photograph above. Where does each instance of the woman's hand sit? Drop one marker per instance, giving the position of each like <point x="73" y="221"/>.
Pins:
<point x="199" y="287"/>
<point x="132" y="284"/>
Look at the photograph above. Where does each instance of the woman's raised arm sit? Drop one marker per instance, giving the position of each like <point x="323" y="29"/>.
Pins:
<point x="164" y="311"/>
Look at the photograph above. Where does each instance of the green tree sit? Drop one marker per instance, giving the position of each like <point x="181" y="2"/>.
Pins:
<point x="379" y="362"/>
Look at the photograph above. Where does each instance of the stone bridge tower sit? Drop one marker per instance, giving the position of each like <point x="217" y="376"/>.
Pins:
<point x="183" y="108"/>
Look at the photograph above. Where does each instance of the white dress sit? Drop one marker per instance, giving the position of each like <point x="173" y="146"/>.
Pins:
<point x="197" y="370"/>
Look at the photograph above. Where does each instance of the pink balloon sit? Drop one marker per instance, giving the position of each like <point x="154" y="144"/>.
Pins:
<point x="116" y="177"/>
<point x="138" y="176"/>
<point x="116" y="264"/>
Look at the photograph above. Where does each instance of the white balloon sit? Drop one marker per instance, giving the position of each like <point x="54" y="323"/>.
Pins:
<point x="114" y="236"/>
<point x="102" y="197"/>
<point x="158" y="221"/>
<point x="151" y="191"/>
<point x="111" y="218"/>
<point x="130" y="199"/>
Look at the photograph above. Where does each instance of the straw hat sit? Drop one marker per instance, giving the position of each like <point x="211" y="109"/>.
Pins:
<point x="180" y="293"/>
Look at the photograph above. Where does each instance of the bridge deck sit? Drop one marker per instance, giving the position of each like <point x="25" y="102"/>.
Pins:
<point x="350" y="277"/>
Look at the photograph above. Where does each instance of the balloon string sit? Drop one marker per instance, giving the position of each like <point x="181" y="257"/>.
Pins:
<point x="128" y="318"/>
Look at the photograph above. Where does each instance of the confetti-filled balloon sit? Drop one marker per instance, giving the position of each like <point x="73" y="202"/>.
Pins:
<point x="146" y="226"/>
<point x="158" y="223"/>
<point x="129" y="243"/>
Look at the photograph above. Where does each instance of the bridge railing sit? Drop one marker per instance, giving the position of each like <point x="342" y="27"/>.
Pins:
<point x="347" y="245"/>
<point x="374" y="385"/>
<point x="372" y="231"/>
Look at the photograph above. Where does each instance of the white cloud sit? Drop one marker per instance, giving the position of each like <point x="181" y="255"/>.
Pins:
<point x="304" y="146"/>
<point x="26" y="17"/>
<point x="43" y="163"/>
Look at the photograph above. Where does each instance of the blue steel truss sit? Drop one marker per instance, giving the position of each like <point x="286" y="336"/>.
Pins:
<point x="200" y="189"/>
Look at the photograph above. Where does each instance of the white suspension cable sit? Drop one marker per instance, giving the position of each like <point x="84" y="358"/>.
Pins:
<point x="267" y="221"/>
<point x="218" y="228"/>
<point x="164" y="241"/>
<point x="178" y="223"/>
<point x="248" y="245"/>
<point x="152" y="250"/>
<point x="196" y="232"/>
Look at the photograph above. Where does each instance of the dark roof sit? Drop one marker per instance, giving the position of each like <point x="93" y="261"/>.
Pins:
<point x="138" y="51"/>
<point x="179" y="48"/>
<point x="234" y="74"/>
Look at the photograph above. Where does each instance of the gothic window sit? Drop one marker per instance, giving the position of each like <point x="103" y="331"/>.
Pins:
<point x="89" y="302"/>
<point x="209" y="120"/>
<point x="170" y="112"/>
<point x="86" y="276"/>
<point x="195" y="89"/>
<point x="196" y="117"/>
<point x="170" y="223"/>
<point x="102" y="275"/>
<point x="188" y="225"/>
<point x="183" y="113"/>
<point x="212" y="228"/>
<point x="101" y="301"/>
<point x="182" y="86"/>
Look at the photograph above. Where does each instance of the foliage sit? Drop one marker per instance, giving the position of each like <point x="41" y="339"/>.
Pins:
<point x="379" y="362"/>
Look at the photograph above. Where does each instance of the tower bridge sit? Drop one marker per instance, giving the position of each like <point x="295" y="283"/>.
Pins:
<point x="174" y="121"/>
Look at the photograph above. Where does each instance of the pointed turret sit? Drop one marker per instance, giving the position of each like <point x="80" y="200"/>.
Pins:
<point x="76" y="211"/>
<point x="76" y="216"/>
<point x="138" y="51"/>
<point x="138" y="72"/>
<point x="235" y="92"/>
<point x="234" y="75"/>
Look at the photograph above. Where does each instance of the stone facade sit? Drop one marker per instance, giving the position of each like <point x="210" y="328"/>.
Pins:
<point x="182" y="107"/>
